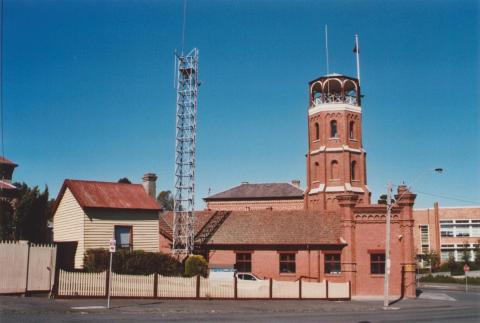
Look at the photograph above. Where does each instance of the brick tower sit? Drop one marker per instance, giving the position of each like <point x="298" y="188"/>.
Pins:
<point x="336" y="160"/>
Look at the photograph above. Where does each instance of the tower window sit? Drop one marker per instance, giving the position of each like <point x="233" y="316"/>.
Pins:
<point x="334" y="169"/>
<point x="317" y="131"/>
<point x="354" y="170"/>
<point x="351" y="130"/>
<point x="333" y="129"/>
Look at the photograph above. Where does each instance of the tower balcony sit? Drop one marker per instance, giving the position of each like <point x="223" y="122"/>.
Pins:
<point x="335" y="88"/>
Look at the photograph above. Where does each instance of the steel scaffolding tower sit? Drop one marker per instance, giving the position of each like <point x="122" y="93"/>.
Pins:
<point x="187" y="91"/>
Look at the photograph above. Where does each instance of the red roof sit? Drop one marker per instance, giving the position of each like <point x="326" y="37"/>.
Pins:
<point x="266" y="228"/>
<point x="108" y="195"/>
<point x="3" y="160"/>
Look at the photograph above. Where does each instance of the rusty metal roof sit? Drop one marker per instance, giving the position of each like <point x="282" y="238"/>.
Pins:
<point x="109" y="195"/>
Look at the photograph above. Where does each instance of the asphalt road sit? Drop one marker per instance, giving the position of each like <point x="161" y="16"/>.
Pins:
<point x="433" y="305"/>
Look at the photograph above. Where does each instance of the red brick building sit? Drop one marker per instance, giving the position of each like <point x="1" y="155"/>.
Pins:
<point x="448" y="231"/>
<point x="338" y="236"/>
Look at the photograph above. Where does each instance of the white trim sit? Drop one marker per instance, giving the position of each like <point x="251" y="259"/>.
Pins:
<point x="334" y="189"/>
<point x="337" y="149"/>
<point x="334" y="107"/>
<point x="7" y="184"/>
<point x="348" y="186"/>
<point x="317" y="190"/>
<point x="357" y="189"/>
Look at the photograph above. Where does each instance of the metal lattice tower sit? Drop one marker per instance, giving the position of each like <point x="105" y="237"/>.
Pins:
<point x="187" y="91"/>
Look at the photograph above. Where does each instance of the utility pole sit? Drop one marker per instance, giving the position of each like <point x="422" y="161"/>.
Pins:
<point x="387" y="245"/>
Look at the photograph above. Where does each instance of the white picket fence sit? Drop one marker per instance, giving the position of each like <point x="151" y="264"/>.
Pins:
<point x="78" y="284"/>
<point x="26" y="267"/>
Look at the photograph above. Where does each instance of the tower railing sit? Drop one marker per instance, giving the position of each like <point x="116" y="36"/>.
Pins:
<point x="335" y="98"/>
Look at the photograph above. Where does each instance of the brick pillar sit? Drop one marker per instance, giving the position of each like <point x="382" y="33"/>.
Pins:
<point x="347" y="204"/>
<point x="406" y="199"/>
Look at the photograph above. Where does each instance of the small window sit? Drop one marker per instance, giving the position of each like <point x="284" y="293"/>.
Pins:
<point x="354" y="170"/>
<point x="123" y="237"/>
<point x="377" y="263"/>
<point x="351" y="130"/>
<point x="317" y="131"/>
<point x="332" y="263"/>
<point x="287" y="263"/>
<point x="244" y="262"/>
<point x="333" y="129"/>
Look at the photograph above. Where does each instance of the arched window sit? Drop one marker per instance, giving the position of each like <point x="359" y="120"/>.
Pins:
<point x="317" y="131"/>
<point x="353" y="170"/>
<point x="334" y="169"/>
<point x="351" y="130"/>
<point x="333" y="129"/>
<point x="316" y="171"/>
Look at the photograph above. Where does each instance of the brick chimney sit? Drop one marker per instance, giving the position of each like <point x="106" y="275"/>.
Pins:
<point x="296" y="183"/>
<point x="150" y="184"/>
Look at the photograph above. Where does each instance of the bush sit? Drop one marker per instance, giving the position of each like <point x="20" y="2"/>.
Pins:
<point x="132" y="262"/>
<point x="196" y="265"/>
<point x="456" y="268"/>
<point x="449" y="280"/>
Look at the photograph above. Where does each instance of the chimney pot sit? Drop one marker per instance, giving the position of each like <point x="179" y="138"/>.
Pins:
<point x="150" y="184"/>
<point x="296" y="183"/>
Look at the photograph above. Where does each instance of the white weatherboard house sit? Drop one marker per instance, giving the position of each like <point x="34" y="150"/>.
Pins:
<point x="89" y="214"/>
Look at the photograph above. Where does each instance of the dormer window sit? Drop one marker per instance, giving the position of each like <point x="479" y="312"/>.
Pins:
<point x="333" y="129"/>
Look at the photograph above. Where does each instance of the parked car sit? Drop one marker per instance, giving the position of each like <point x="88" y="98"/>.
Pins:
<point x="247" y="276"/>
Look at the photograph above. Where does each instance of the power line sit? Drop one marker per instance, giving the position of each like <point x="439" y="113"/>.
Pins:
<point x="460" y="199"/>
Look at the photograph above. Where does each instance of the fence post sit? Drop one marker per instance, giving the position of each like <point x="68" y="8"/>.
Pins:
<point x="155" y="285"/>
<point x="28" y="265"/>
<point x="349" y="290"/>
<point x="235" y="287"/>
<point x="56" y="282"/>
<point x="271" y="288"/>
<point x="300" y="288"/>
<point x="198" y="287"/>
<point x="107" y="283"/>
<point x="326" y="287"/>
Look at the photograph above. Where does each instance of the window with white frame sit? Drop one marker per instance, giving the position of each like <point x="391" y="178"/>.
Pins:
<point x="424" y="238"/>
<point x="462" y="231"/>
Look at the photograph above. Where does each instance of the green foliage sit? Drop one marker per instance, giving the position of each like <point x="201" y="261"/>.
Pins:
<point x="433" y="259"/>
<point x="456" y="268"/>
<point x="449" y="280"/>
<point x="28" y="220"/>
<point x="165" y="199"/>
<point x="6" y="220"/>
<point x="196" y="265"/>
<point x="132" y="262"/>
<point x="476" y="252"/>
<point x="124" y="180"/>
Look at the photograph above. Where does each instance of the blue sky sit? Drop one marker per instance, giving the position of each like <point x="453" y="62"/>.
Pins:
<point x="88" y="90"/>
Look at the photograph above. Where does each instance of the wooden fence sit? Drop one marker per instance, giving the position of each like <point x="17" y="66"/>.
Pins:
<point x="77" y="284"/>
<point x="26" y="267"/>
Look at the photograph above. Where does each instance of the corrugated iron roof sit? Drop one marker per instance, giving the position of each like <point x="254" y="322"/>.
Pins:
<point x="7" y="186"/>
<point x="258" y="191"/>
<point x="109" y="195"/>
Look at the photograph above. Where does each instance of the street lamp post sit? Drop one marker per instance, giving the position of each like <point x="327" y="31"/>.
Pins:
<point x="387" y="234"/>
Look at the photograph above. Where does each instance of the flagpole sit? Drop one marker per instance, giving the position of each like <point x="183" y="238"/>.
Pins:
<point x="357" y="52"/>
<point x="326" y="47"/>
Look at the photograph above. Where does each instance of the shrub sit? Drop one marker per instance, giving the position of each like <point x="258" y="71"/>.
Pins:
<point x="449" y="280"/>
<point x="132" y="262"/>
<point x="196" y="265"/>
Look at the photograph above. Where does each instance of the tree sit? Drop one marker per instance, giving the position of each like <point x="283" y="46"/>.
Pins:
<point x="165" y="199"/>
<point x="124" y="180"/>
<point x="33" y="210"/>
<point x="196" y="265"/>
<point x="476" y="253"/>
<point x="433" y="259"/>
<point x="6" y="220"/>
<point x="466" y="253"/>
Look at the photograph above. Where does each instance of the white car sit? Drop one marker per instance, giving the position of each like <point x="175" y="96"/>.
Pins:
<point x="247" y="276"/>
